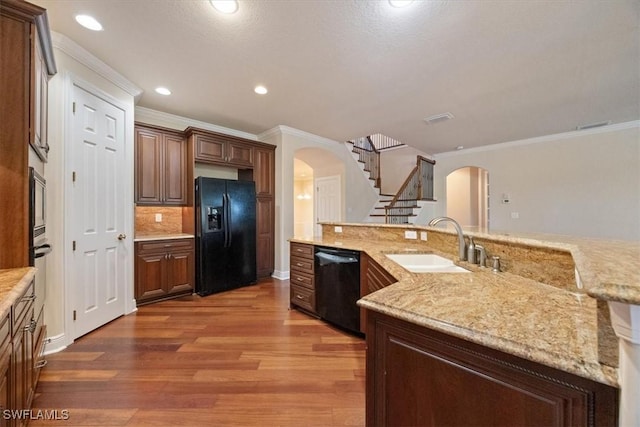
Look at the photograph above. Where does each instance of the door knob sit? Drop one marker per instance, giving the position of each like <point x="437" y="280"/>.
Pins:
<point x="122" y="236"/>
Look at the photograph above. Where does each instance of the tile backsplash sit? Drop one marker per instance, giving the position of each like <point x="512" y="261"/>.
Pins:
<point x="146" y="219"/>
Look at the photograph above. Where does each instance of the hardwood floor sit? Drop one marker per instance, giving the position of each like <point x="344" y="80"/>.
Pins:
<point x="239" y="358"/>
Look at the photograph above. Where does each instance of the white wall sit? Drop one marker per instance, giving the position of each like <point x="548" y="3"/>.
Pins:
<point x="583" y="183"/>
<point x="68" y="56"/>
<point x="358" y="195"/>
<point x="395" y="166"/>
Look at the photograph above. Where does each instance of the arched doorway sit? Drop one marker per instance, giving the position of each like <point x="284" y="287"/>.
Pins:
<point x="468" y="197"/>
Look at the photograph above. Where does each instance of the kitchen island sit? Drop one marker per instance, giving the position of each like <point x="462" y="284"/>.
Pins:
<point x="539" y="309"/>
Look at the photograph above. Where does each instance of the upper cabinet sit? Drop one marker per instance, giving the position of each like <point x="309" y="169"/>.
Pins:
<point x="26" y="62"/>
<point x="161" y="166"/>
<point x="220" y="149"/>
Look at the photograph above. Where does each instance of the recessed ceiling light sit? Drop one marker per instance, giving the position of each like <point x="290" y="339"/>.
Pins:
<point x="225" y="6"/>
<point x="89" y="22"/>
<point x="400" y="3"/>
<point x="260" y="90"/>
<point x="163" y="91"/>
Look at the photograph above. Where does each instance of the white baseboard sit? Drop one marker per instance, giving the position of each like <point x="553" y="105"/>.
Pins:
<point x="55" y="344"/>
<point x="281" y="275"/>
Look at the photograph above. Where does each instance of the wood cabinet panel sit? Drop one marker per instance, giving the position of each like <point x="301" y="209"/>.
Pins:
<point x="24" y="45"/>
<point x="265" y="236"/>
<point x="302" y="280"/>
<point x="417" y="376"/>
<point x="264" y="175"/>
<point x="161" y="167"/>
<point x="373" y="277"/>
<point x="240" y="154"/>
<point x="5" y="366"/>
<point x="164" y="269"/>
<point x="210" y="149"/>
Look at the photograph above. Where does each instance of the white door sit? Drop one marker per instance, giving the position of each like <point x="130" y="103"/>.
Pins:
<point x="98" y="260"/>
<point x="328" y="200"/>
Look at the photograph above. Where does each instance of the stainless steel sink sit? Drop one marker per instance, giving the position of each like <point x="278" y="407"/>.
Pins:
<point x="426" y="263"/>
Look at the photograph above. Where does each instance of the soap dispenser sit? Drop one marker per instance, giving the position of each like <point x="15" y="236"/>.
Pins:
<point x="471" y="251"/>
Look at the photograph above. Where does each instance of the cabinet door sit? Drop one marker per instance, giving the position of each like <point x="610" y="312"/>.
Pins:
<point x="210" y="149"/>
<point x="151" y="275"/>
<point x="417" y="376"/>
<point x="180" y="271"/>
<point x="175" y="170"/>
<point x="239" y="154"/>
<point x="264" y="172"/>
<point x="40" y="104"/>
<point x="265" y="237"/>
<point x="148" y="152"/>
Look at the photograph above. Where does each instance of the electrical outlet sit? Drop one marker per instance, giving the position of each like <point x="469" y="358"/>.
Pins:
<point x="423" y="235"/>
<point x="515" y="215"/>
<point x="410" y="234"/>
<point x="337" y="229"/>
<point x="158" y="217"/>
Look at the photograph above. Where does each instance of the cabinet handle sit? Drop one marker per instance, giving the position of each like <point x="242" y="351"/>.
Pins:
<point x="299" y="279"/>
<point x="299" y="250"/>
<point x="299" y="264"/>
<point x="28" y="298"/>
<point x="40" y="364"/>
<point x="299" y="297"/>
<point x="31" y="327"/>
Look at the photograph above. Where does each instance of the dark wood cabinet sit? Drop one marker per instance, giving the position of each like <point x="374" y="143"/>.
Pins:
<point x="373" y="277"/>
<point x="163" y="269"/>
<point x="420" y="377"/>
<point x="26" y="62"/>
<point x="264" y="176"/>
<point x="161" y="166"/>
<point x="302" y="282"/>
<point x="23" y="326"/>
<point x="221" y="149"/>
<point x="5" y="366"/>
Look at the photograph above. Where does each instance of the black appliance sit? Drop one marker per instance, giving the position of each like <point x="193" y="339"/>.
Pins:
<point x="337" y="283"/>
<point x="38" y="243"/>
<point x="225" y="234"/>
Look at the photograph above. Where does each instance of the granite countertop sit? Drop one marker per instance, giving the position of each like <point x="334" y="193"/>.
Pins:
<point x="504" y="311"/>
<point x="13" y="282"/>
<point x="146" y="237"/>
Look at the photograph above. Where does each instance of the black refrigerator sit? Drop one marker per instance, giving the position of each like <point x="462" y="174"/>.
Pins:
<point x="225" y="234"/>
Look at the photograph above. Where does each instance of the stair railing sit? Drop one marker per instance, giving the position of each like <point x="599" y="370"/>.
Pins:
<point x="370" y="156"/>
<point x="383" y="142"/>
<point x="417" y="186"/>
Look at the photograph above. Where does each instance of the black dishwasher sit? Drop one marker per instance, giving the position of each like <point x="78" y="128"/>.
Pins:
<point x="337" y="282"/>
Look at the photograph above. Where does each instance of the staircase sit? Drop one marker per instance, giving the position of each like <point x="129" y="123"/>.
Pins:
<point x="403" y="207"/>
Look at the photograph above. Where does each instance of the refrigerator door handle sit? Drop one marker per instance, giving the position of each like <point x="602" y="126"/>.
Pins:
<point x="229" y="235"/>
<point x="225" y="210"/>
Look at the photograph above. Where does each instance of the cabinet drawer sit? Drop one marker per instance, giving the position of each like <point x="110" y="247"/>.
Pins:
<point x="164" y="245"/>
<point x="302" y="250"/>
<point x="302" y="264"/>
<point x="21" y="307"/>
<point x="300" y="279"/>
<point x="303" y="297"/>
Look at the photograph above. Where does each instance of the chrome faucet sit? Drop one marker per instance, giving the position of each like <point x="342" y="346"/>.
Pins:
<point x="462" y="246"/>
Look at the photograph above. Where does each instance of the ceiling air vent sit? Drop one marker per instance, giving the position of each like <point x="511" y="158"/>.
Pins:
<point x="593" y="125"/>
<point x="438" y="118"/>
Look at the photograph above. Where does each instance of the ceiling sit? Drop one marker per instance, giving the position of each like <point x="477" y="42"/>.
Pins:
<point x="506" y="70"/>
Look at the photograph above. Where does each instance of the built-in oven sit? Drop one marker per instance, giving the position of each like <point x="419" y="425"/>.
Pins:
<point x="39" y="246"/>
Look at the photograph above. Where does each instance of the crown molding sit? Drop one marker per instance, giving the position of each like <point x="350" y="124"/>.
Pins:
<point x="286" y="130"/>
<point x="181" y="123"/>
<point x="86" y="58"/>
<point x="542" y="139"/>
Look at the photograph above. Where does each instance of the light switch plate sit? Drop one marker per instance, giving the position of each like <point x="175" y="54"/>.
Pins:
<point x="337" y="229"/>
<point x="158" y="217"/>
<point x="423" y="235"/>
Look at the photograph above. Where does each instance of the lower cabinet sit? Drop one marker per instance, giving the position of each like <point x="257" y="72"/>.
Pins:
<point x="164" y="269"/>
<point x="302" y="283"/>
<point x="5" y="366"/>
<point x="373" y="277"/>
<point x="420" y="377"/>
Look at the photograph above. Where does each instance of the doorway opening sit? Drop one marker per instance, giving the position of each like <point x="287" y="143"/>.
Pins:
<point x="317" y="190"/>
<point x="468" y="197"/>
